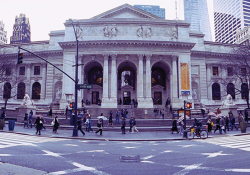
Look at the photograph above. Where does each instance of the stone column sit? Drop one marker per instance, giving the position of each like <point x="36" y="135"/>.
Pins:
<point x="148" y="81"/>
<point x="175" y="77"/>
<point x="209" y="84"/>
<point x="140" y="78"/>
<point x="113" y="80"/>
<point x="105" y="77"/>
<point x="43" y="90"/>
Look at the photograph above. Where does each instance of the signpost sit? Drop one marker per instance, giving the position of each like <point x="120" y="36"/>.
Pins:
<point x="85" y="86"/>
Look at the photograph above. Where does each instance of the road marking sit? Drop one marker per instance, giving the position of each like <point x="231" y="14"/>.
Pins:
<point x="215" y="154"/>
<point x="187" y="169"/>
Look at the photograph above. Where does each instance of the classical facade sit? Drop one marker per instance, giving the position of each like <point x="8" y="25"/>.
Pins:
<point x="125" y="53"/>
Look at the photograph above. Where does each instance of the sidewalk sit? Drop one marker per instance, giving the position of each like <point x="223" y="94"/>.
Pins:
<point x="112" y="135"/>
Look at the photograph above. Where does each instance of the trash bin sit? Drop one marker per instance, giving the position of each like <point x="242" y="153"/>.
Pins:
<point x="11" y="124"/>
<point x="1" y="124"/>
<point x="243" y="126"/>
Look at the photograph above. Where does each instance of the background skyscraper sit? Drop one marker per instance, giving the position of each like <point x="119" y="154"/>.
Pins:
<point x="230" y="16"/>
<point x="3" y="34"/>
<point x="196" y="13"/>
<point x="153" y="9"/>
<point x="21" y="30"/>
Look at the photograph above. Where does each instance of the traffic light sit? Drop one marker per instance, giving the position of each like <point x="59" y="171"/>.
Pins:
<point x="72" y="105"/>
<point x="189" y="105"/>
<point x="20" y="58"/>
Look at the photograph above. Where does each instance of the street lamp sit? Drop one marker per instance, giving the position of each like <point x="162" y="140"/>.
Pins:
<point x="75" y="131"/>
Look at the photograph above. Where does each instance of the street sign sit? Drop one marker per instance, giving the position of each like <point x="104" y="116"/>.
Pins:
<point x="85" y="86"/>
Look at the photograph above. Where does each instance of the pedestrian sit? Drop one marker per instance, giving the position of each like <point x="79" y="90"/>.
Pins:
<point x="203" y="112"/>
<point x="56" y="124"/>
<point x="181" y="124"/>
<point x="232" y="121"/>
<point x="209" y="124"/>
<point x="110" y="119"/>
<point x="240" y="118"/>
<point x="167" y="104"/>
<point x="31" y="112"/>
<point x="134" y="126"/>
<point x="39" y="125"/>
<point x="123" y="125"/>
<point x="30" y="120"/>
<point x="66" y="112"/>
<point x="174" y="126"/>
<point x="43" y="120"/>
<point x="222" y="125"/>
<point x="218" y="111"/>
<point x="162" y="113"/>
<point x="217" y="122"/>
<point x="79" y="126"/>
<point x="155" y="112"/>
<point x="117" y="117"/>
<point x="246" y="115"/>
<point x="26" y="121"/>
<point x="99" y="125"/>
<point x="50" y="112"/>
<point x="89" y="124"/>
<point x="3" y="116"/>
<point x="226" y="123"/>
<point x="131" y="124"/>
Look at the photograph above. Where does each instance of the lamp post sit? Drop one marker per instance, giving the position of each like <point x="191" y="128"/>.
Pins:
<point x="75" y="131"/>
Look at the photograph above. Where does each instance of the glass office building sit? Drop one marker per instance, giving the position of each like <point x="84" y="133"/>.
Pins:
<point x="229" y="16"/>
<point x="196" y="13"/>
<point x="153" y="9"/>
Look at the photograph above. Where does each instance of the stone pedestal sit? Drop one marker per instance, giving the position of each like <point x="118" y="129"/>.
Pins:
<point x="26" y="109"/>
<point x="145" y="103"/>
<point x="226" y="109"/>
<point x="109" y="103"/>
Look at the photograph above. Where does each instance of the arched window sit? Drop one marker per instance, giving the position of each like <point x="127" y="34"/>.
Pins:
<point x="20" y="90"/>
<point x="95" y="76"/>
<point x="36" y="90"/>
<point x="158" y="77"/>
<point x="216" y="91"/>
<point x="244" y="91"/>
<point x="231" y="90"/>
<point x="7" y="91"/>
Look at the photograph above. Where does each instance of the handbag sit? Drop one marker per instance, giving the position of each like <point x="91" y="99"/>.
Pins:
<point x="52" y="123"/>
<point x="212" y="123"/>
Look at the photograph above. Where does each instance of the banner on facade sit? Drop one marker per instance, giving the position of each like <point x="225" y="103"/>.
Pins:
<point x="185" y="82"/>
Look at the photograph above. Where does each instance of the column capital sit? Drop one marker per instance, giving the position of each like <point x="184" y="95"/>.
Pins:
<point x="148" y="56"/>
<point x="106" y="56"/>
<point x="113" y="56"/>
<point x="28" y="65"/>
<point x="174" y="57"/>
<point x="141" y="56"/>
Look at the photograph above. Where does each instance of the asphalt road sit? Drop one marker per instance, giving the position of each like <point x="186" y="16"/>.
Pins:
<point x="43" y="155"/>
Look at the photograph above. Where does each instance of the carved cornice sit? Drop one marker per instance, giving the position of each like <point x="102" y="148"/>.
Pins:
<point x="211" y="54"/>
<point x="188" y="45"/>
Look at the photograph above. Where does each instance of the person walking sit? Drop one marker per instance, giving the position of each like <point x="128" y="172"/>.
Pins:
<point x="99" y="125"/>
<point x="131" y="124"/>
<point x="26" y="121"/>
<point x="66" y="112"/>
<point x="56" y="124"/>
<point x="226" y="123"/>
<point x="174" y="126"/>
<point x="209" y="124"/>
<point x="30" y="120"/>
<point x="50" y="112"/>
<point x="162" y="113"/>
<point x="167" y="104"/>
<point x="217" y="122"/>
<point x="79" y="126"/>
<point x="222" y="125"/>
<point x="117" y="117"/>
<point x="123" y="125"/>
<point x="39" y="125"/>
<point x="110" y="119"/>
<point x="89" y="124"/>
<point x="181" y="124"/>
<point x="134" y="126"/>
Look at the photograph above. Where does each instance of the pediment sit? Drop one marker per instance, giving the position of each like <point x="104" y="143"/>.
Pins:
<point x="126" y="11"/>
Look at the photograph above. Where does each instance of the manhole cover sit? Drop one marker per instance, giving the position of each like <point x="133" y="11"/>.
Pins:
<point x="130" y="158"/>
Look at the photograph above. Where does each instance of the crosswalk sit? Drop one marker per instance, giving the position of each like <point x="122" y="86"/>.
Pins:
<point x="10" y="140"/>
<point x="237" y="142"/>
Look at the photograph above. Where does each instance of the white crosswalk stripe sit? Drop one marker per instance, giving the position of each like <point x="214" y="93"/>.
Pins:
<point x="238" y="142"/>
<point x="10" y="140"/>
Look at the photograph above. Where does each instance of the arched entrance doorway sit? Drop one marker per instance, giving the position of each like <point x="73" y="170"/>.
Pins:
<point x="126" y="82"/>
<point x="160" y="81"/>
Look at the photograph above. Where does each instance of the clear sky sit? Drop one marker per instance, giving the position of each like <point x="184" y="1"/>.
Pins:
<point x="50" y="15"/>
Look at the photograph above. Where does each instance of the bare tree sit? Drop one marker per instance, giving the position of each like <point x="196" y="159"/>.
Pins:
<point x="237" y="68"/>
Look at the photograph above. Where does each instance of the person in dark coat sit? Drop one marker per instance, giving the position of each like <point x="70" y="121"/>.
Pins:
<point x="99" y="125"/>
<point x="79" y="126"/>
<point x="174" y="126"/>
<point x="110" y="119"/>
<point x="50" y="112"/>
<point x="39" y="125"/>
<point x="217" y="121"/>
<point x="26" y="121"/>
<point x="246" y="115"/>
<point x="56" y="124"/>
<point x="123" y="125"/>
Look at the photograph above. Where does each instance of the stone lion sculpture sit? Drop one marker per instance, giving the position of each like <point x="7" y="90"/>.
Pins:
<point x="228" y="101"/>
<point x="27" y="101"/>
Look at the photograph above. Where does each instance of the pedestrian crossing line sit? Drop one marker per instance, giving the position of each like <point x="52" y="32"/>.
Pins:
<point x="241" y="142"/>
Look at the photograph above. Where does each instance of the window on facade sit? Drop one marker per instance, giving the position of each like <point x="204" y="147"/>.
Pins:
<point x="22" y="70"/>
<point x="244" y="91"/>
<point x="36" y="91"/>
<point x="7" y="91"/>
<point x="215" y="71"/>
<point x="229" y="71"/>
<point x="216" y="91"/>
<point x="243" y="71"/>
<point x="36" y="70"/>
<point x="8" y="71"/>
<point x="20" y="90"/>
<point x="231" y="90"/>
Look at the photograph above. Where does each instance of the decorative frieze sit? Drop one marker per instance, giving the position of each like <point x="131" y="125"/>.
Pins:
<point x="144" y="32"/>
<point x="110" y="31"/>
